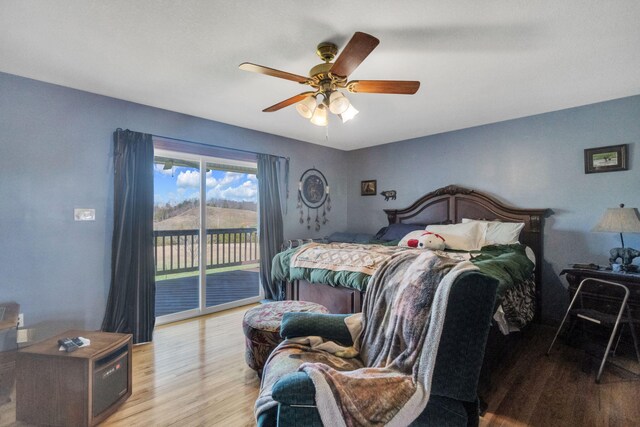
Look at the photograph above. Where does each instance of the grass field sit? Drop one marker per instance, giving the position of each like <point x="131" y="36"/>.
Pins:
<point x="216" y="218"/>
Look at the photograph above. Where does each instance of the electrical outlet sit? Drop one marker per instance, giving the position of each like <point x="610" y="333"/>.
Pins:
<point x="21" y="320"/>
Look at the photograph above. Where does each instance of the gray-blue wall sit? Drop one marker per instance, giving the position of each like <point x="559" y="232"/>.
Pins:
<point x="56" y="154"/>
<point x="533" y="162"/>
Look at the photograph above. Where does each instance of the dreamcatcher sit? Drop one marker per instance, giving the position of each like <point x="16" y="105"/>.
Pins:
<point x="313" y="192"/>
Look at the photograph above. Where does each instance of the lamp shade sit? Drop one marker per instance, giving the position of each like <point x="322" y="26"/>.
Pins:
<point x="349" y="114"/>
<point x="306" y="107"/>
<point x="619" y="220"/>
<point x="338" y="103"/>
<point x="319" y="117"/>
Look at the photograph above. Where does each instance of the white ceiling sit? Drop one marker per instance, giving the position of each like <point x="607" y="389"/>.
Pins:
<point x="479" y="61"/>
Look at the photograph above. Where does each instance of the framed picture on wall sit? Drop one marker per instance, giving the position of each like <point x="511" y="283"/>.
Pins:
<point x="368" y="188"/>
<point x="605" y="159"/>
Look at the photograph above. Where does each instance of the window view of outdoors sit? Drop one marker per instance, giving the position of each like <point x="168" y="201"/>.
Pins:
<point x="231" y="243"/>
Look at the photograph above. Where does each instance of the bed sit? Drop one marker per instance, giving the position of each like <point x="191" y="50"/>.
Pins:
<point x="447" y="205"/>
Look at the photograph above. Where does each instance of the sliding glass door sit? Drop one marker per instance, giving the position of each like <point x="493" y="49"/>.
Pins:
<point x="232" y="235"/>
<point x="205" y="223"/>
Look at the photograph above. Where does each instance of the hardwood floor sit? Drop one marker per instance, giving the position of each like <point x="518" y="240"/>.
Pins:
<point x="194" y="374"/>
<point x="535" y="390"/>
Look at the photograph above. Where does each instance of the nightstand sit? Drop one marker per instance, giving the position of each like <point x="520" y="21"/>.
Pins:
<point x="81" y="388"/>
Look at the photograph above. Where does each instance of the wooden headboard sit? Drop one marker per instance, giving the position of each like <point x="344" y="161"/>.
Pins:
<point x="448" y="205"/>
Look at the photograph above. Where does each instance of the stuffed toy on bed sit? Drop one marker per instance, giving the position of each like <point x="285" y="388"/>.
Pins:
<point x="427" y="240"/>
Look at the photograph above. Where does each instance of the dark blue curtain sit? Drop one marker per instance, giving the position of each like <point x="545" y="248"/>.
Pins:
<point x="270" y="222"/>
<point x="131" y="303"/>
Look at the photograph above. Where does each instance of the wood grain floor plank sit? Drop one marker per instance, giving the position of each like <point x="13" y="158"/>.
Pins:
<point x="537" y="390"/>
<point x="194" y="374"/>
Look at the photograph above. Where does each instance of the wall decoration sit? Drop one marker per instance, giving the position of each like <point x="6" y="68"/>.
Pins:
<point x="606" y="159"/>
<point x="313" y="192"/>
<point x="389" y="195"/>
<point x="368" y="188"/>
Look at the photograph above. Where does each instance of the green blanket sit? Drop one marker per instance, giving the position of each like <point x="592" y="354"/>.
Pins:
<point x="281" y="270"/>
<point x="507" y="263"/>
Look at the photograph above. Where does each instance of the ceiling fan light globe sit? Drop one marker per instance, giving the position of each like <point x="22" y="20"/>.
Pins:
<point x="306" y="107"/>
<point x="349" y="114"/>
<point x="338" y="103"/>
<point x="319" y="117"/>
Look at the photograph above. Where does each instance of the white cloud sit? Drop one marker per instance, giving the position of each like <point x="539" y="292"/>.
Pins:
<point x="188" y="178"/>
<point x="246" y="191"/>
<point x="231" y="177"/>
<point x="231" y="186"/>
<point x="191" y="179"/>
<point x="211" y="181"/>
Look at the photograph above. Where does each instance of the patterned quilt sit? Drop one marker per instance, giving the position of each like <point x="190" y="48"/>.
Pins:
<point x="344" y="256"/>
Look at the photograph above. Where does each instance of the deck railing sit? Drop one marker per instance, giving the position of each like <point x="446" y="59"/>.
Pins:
<point x="176" y="251"/>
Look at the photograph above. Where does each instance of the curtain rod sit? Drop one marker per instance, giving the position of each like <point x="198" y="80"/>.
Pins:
<point x="214" y="146"/>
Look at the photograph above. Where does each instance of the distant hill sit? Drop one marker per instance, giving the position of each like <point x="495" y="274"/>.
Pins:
<point x="216" y="218"/>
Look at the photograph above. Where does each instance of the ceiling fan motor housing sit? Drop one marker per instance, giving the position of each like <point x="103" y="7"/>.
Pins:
<point x="327" y="51"/>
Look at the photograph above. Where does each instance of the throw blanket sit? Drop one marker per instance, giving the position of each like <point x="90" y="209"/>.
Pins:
<point x="403" y="315"/>
<point x="344" y="256"/>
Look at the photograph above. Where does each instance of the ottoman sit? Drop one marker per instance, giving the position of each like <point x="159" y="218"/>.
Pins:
<point x="261" y="326"/>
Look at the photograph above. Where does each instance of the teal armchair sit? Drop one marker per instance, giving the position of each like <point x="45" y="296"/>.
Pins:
<point x="454" y="399"/>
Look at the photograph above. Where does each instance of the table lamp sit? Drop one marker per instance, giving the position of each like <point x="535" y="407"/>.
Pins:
<point x="621" y="220"/>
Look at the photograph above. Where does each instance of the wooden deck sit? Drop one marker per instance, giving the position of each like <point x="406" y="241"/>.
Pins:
<point x="175" y="295"/>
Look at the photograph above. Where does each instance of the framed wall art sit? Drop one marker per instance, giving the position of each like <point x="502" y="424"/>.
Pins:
<point x="611" y="158"/>
<point x="368" y="188"/>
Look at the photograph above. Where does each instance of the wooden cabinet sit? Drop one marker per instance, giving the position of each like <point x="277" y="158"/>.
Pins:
<point x="73" y="389"/>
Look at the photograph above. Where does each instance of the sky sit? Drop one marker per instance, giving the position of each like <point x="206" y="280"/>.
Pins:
<point x="181" y="183"/>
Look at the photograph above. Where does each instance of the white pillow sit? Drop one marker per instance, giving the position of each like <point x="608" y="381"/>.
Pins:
<point x="465" y="237"/>
<point x="499" y="233"/>
<point x="411" y="235"/>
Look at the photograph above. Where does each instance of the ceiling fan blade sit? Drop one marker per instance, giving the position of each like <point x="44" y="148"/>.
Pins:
<point x="358" y="48"/>
<point x="287" y="102"/>
<point x="402" y="87"/>
<point x="247" y="66"/>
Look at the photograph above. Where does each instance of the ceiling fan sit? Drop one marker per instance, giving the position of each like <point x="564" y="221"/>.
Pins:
<point x="328" y="78"/>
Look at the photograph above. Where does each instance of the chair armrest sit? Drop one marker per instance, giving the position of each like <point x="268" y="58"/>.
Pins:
<point x="295" y="388"/>
<point x="328" y="326"/>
